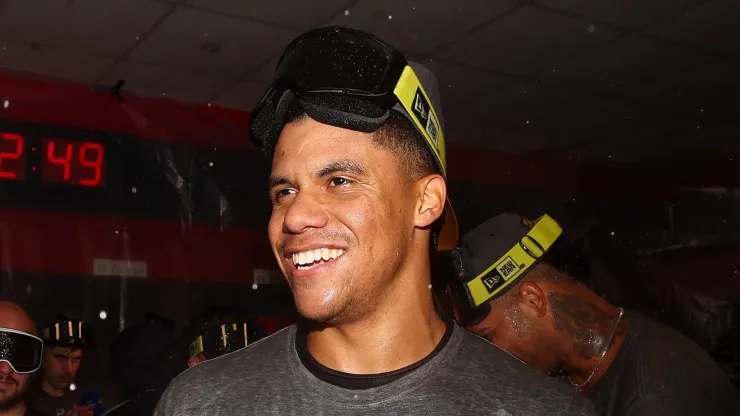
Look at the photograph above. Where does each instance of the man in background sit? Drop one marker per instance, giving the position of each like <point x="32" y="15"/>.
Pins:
<point x="64" y="343"/>
<point x="20" y="358"/>
<point x="535" y="309"/>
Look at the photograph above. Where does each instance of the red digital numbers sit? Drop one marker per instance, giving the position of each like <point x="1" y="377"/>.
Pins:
<point x="65" y="161"/>
<point x="75" y="163"/>
<point x="96" y="164"/>
<point x="12" y="157"/>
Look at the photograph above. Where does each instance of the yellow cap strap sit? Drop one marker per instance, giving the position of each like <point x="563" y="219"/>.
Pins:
<point x="544" y="232"/>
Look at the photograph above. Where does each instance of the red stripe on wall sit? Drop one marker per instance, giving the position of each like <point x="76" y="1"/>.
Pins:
<point x="67" y="243"/>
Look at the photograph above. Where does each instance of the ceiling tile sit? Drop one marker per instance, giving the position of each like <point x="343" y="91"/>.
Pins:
<point x="535" y="104"/>
<point x="421" y="26"/>
<point x="212" y="44"/>
<point x="243" y="96"/>
<point x="290" y="13"/>
<point x="459" y="85"/>
<point x="151" y="80"/>
<point x="525" y="41"/>
<point x="480" y="134"/>
<point x="61" y="63"/>
<point x="624" y="67"/>
<point x="264" y="72"/>
<point x="94" y="26"/>
<point x="712" y="26"/>
<point x="629" y="14"/>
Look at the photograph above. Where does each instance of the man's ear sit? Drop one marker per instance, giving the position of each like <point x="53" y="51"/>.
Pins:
<point x="432" y="194"/>
<point x="533" y="299"/>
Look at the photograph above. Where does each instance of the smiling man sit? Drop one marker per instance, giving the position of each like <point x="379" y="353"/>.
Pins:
<point x="20" y="358"/>
<point x="359" y="199"/>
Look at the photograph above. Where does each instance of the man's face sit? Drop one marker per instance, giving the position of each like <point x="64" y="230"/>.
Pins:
<point x="519" y="333"/>
<point x="342" y="219"/>
<point x="12" y="386"/>
<point x="60" y="366"/>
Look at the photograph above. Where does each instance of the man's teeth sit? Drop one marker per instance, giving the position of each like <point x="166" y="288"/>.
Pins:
<point x="308" y="257"/>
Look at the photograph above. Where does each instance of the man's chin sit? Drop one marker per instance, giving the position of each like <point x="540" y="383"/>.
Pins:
<point x="11" y="402"/>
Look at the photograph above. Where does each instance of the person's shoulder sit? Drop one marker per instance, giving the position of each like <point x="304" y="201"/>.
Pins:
<point x="490" y="369"/>
<point x="253" y="364"/>
<point x="670" y="364"/>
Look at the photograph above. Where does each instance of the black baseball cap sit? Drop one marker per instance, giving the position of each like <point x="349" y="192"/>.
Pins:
<point x="492" y="257"/>
<point x="65" y="332"/>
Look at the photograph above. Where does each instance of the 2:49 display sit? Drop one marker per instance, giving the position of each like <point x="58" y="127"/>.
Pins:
<point x="62" y="161"/>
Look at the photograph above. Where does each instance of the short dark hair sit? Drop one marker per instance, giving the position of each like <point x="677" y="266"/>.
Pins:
<point x="396" y="134"/>
<point x="563" y="257"/>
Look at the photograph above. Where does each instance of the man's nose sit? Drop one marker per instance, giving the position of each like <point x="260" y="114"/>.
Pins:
<point x="5" y="368"/>
<point x="304" y="212"/>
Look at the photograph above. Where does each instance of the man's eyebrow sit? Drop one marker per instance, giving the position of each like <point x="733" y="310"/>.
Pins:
<point x="347" y="166"/>
<point x="276" y="181"/>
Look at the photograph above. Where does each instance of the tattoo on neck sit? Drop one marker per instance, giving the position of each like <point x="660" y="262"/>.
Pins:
<point x="587" y="324"/>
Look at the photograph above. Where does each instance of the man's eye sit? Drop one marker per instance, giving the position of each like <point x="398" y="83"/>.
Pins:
<point x="339" y="182"/>
<point x="283" y="193"/>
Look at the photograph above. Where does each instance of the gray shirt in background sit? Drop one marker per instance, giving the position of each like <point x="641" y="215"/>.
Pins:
<point x="468" y="376"/>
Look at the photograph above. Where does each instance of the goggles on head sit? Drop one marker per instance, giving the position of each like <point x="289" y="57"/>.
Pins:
<point x="336" y="62"/>
<point x="351" y="79"/>
<point x="470" y="294"/>
<point x="65" y="333"/>
<point x="217" y="340"/>
<point x="21" y="350"/>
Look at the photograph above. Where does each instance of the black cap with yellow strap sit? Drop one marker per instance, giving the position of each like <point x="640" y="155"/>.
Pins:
<point x="493" y="256"/>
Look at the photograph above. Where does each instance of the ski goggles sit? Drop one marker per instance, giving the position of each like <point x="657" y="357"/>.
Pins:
<point x="218" y="340"/>
<point x="21" y="350"/>
<point x="472" y="290"/>
<point x="65" y="333"/>
<point x="351" y="79"/>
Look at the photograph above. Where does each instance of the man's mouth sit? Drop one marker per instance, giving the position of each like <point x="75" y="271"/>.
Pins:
<point x="306" y="260"/>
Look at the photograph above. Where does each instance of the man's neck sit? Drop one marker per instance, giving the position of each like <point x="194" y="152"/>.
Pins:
<point x="588" y="322"/>
<point x="401" y="332"/>
<point x="18" y="410"/>
<point x="50" y="390"/>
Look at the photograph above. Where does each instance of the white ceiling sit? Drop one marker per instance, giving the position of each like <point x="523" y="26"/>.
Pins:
<point x="585" y="78"/>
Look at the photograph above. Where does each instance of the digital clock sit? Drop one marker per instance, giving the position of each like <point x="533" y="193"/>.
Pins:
<point x="62" y="161"/>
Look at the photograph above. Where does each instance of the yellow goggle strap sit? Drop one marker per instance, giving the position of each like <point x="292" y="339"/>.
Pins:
<point x="416" y="102"/>
<point x="196" y="347"/>
<point x="543" y="233"/>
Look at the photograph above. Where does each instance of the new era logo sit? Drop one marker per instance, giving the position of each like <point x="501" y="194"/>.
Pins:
<point x="491" y="282"/>
<point x="421" y="107"/>
<point x="507" y="268"/>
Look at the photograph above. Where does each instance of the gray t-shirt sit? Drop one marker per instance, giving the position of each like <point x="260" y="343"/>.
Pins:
<point x="467" y="376"/>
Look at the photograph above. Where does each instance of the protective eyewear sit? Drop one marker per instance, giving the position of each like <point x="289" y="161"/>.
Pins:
<point x="334" y="69"/>
<point x="218" y="340"/>
<point x="21" y="350"/>
<point x="470" y="295"/>
<point x="66" y="333"/>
